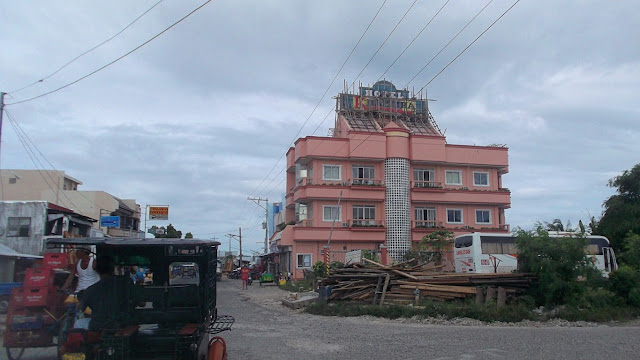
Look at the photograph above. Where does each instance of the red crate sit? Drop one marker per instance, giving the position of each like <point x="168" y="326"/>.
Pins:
<point x="25" y="297"/>
<point x="56" y="260"/>
<point x="38" y="277"/>
<point x="47" y="315"/>
<point x="33" y="338"/>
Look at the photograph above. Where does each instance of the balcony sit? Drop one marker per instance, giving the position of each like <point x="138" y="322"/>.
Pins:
<point x="305" y="223"/>
<point x="427" y="224"/>
<point x="365" y="223"/>
<point x="426" y="184"/>
<point x="366" y="182"/>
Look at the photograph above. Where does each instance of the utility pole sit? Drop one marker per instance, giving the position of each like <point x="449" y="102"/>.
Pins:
<point x="239" y="237"/>
<point x="1" y="113"/>
<point x="266" y="219"/>
<point x="333" y="222"/>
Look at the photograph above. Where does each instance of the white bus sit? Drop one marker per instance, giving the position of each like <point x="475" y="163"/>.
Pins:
<point x="497" y="253"/>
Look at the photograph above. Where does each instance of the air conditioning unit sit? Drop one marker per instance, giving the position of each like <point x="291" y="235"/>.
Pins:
<point x="345" y="224"/>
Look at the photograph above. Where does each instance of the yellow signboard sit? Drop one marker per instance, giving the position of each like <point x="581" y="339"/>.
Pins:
<point x="158" y="212"/>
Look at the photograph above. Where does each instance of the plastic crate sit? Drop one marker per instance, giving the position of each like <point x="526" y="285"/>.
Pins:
<point x="38" y="277"/>
<point x="33" y="338"/>
<point x="27" y="297"/>
<point x="56" y="260"/>
<point x="21" y="320"/>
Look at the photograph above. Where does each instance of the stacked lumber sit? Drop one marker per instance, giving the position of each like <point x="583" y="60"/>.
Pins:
<point x="403" y="283"/>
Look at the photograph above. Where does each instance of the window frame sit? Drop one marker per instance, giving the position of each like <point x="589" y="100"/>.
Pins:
<point x="301" y="266"/>
<point x="461" y="216"/>
<point x="332" y="206"/>
<point x="490" y="217"/>
<point x="332" y="165"/>
<point x="430" y="171"/>
<point x="18" y="227"/>
<point x="364" y="168"/>
<point x="425" y="209"/>
<point x="364" y="209"/>
<point x="446" y="181"/>
<point x="481" y="172"/>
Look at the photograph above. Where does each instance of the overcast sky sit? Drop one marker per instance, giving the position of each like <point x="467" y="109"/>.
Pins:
<point x="198" y="117"/>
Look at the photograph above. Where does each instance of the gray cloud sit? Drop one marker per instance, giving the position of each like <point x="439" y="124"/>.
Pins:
<point x="197" y="118"/>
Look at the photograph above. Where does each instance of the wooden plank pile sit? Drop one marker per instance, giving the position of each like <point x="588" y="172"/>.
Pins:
<point x="403" y="283"/>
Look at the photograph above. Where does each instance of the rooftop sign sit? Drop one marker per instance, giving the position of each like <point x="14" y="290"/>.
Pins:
<point x="383" y="96"/>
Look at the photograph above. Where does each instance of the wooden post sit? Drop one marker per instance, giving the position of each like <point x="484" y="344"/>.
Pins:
<point x="479" y="295"/>
<point x="491" y="294"/>
<point x="377" y="291"/>
<point x="384" y="289"/>
<point x="502" y="296"/>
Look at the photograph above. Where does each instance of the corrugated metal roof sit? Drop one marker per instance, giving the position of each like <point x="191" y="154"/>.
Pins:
<point x="6" y="251"/>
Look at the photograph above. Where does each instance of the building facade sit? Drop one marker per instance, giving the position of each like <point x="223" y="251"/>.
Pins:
<point x="385" y="177"/>
<point x="25" y="225"/>
<point x="58" y="188"/>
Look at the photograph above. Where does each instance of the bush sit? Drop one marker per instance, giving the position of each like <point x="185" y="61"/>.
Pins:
<point x="625" y="282"/>
<point x="298" y="286"/>
<point x="557" y="264"/>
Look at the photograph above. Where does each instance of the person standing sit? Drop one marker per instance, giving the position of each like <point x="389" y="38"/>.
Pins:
<point x="85" y="268"/>
<point x="244" y="275"/>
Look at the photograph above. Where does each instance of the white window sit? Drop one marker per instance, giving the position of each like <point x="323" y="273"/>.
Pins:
<point x="18" y="226"/>
<point x="423" y="175"/>
<point x="480" y="178"/>
<point x="453" y="177"/>
<point x="331" y="172"/>
<point x="426" y="217"/>
<point x="364" y="215"/>
<point x="454" y="216"/>
<point x="483" y="216"/>
<point x="303" y="212"/>
<point x="363" y="172"/>
<point x="331" y="212"/>
<point x="304" y="261"/>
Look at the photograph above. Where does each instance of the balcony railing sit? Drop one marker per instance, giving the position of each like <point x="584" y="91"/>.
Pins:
<point x="427" y="184"/>
<point x="366" y="182"/>
<point x="427" y="224"/>
<point x="305" y="223"/>
<point x="365" y="223"/>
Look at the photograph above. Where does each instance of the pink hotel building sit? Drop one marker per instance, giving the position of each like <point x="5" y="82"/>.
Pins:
<point x="388" y="178"/>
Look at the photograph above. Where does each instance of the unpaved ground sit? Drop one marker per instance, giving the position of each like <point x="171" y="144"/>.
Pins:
<point x="265" y="329"/>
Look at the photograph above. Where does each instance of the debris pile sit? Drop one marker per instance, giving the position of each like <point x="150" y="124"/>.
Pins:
<point x="404" y="284"/>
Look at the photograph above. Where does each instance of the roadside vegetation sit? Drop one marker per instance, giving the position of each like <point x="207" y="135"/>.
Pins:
<point x="568" y="286"/>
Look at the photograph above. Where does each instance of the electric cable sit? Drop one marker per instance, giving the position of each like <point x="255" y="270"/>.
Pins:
<point x="112" y="62"/>
<point x="88" y="51"/>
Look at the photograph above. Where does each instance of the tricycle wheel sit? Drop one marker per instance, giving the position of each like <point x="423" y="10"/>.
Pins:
<point x="15" y="353"/>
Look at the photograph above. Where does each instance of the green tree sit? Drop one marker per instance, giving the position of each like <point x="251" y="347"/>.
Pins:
<point x="188" y="236"/>
<point x="170" y="233"/>
<point x="622" y="210"/>
<point x="436" y="243"/>
<point x="556" y="225"/>
<point x="630" y="254"/>
<point x="557" y="263"/>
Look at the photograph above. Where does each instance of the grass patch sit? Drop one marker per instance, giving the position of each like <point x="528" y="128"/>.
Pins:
<point x="514" y="312"/>
<point x="298" y="286"/>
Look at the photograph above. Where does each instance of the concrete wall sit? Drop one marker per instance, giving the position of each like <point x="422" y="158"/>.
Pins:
<point x="37" y="212"/>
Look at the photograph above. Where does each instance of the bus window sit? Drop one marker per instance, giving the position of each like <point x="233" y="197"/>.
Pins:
<point x="463" y="241"/>
<point x="509" y="246"/>
<point x="592" y="249"/>
<point x="491" y="244"/>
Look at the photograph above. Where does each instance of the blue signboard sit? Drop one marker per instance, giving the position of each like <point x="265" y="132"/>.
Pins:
<point x="110" y="221"/>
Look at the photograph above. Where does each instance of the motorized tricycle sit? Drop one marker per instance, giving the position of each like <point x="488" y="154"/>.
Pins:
<point x="171" y="314"/>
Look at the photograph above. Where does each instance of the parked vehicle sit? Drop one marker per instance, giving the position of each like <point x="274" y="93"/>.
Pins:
<point x="173" y="315"/>
<point x="497" y="253"/>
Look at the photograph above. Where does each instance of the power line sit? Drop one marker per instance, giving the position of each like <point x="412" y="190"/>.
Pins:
<point x="384" y="42"/>
<point x="450" y="41"/>
<point x="11" y="118"/>
<point x="318" y="103"/>
<point x="473" y="42"/>
<point x="88" y="51"/>
<point x="33" y="157"/>
<point x="414" y="39"/>
<point x="372" y="133"/>
<point x="114" y="61"/>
